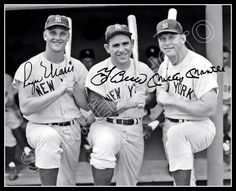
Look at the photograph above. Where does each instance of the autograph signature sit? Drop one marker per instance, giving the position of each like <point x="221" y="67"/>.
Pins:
<point x="26" y="77"/>
<point x="103" y="75"/>
<point x="52" y="73"/>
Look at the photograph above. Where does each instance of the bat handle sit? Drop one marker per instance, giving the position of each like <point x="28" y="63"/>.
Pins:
<point x="69" y="91"/>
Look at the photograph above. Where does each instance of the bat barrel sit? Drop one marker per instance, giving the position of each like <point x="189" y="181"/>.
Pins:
<point x="172" y="13"/>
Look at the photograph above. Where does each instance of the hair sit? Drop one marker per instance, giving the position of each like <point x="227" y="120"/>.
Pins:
<point x="226" y="49"/>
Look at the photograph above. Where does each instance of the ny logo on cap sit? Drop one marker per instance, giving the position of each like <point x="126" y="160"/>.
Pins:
<point x="58" y="19"/>
<point x="164" y="25"/>
<point x="117" y="27"/>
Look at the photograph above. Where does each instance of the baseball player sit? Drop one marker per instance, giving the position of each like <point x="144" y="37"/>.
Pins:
<point x="227" y="104"/>
<point x="87" y="57"/>
<point x="13" y="133"/>
<point x="189" y="97"/>
<point x="53" y="130"/>
<point x="114" y="92"/>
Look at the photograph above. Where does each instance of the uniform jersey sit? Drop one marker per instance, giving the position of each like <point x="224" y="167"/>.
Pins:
<point x="115" y="84"/>
<point x="42" y="77"/>
<point x="189" y="80"/>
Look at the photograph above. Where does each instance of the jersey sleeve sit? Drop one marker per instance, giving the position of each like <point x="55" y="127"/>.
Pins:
<point x="149" y="83"/>
<point x="161" y="75"/>
<point x="205" y="82"/>
<point x="94" y="81"/>
<point x="81" y="72"/>
<point x="19" y="75"/>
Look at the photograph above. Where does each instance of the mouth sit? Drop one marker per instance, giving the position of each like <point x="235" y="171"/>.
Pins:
<point x="166" y="49"/>
<point x="57" y="43"/>
<point x="122" y="56"/>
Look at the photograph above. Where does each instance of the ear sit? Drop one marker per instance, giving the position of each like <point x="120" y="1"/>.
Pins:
<point x="44" y="35"/>
<point x="106" y="46"/>
<point x="183" y="38"/>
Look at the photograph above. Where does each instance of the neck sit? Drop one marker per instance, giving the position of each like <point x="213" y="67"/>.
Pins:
<point x="123" y="66"/>
<point x="55" y="57"/>
<point x="175" y="60"/>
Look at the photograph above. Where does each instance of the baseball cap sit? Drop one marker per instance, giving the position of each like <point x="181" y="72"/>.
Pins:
<point x="54" y="20"/>
<point x="115" y="29"/>
<point x="168" y="25"/>
<point x="86" y="53"/>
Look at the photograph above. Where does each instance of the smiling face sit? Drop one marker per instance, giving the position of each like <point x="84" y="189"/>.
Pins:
<point x="171" y="44"/>
<point x="120" y="49"/>
<point x="56" y="38"/>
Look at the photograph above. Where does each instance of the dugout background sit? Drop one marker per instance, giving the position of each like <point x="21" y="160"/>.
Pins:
<point x="24" y="28"/>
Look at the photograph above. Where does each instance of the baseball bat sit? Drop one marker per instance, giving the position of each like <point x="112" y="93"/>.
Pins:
<point x="69" y="91"/>
<point x="172" y="14"/>
<point x="132" y="24"/>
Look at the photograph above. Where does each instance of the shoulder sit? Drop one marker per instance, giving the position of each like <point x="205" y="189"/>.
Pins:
<point x="199" y="61"/>
<point x="79" y="66"/>
<point x="8" y="77"/>
<point x="76" y="61"/>
<point x="100" y="65"/>
<point x="30" y="63"/>
<point x="144" y="66"/>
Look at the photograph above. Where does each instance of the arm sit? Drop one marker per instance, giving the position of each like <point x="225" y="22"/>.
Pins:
<point x="30" y="104"/>
<point x="203" y="107"/>
<point x="102" y="107"/>
<point x="151" y="100"/>
<point x="80" y="97"/>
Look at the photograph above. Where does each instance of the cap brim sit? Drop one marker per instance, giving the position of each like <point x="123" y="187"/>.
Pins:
<point x="50" y="26"/>
<point x="119" y="32"/>
<point x="166" y="31"/>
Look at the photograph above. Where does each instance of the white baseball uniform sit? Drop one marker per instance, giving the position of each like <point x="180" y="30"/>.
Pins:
<point x="56" y="145"/>
<point x="117" y="144"/>
<point x="12" y="121"/>
<point x="184" y="138"/>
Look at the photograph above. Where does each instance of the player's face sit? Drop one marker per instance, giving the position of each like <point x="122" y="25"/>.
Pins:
<point x="120" y="48"/>
<point x="88" y="62"/>
<point x="56" y="38"/>
<point x="226" y="58"/>
<point x="171" y="44"/>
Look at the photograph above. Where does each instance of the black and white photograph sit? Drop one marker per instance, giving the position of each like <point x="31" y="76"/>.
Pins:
<point x="117" y="95"/>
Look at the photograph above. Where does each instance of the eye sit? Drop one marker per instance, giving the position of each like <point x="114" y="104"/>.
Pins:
<point x="52" y="33"/>
<point x="115" y="45"/>
<point x="161" y="38"/>
<point x="125" y="43"/>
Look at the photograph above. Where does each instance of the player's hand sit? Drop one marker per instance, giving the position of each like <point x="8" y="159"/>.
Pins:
<point x="163" y="97"/>
<point x="90" y="118"/>
<point x="136" y="99"/>
<point x="67" y="83"/>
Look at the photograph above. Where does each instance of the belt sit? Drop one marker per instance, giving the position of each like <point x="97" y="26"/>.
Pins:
<point x="61" y="124"/>
<point x="123" y="121"/>
<point x="177" y="120"/>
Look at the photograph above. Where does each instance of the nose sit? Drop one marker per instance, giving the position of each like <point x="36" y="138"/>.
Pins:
<point x="121" y="48"/>
<point x="167" y="41"/>
<point x="57" y="36"/>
